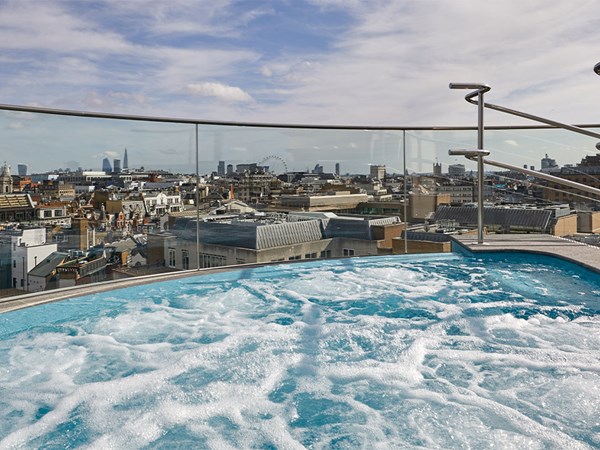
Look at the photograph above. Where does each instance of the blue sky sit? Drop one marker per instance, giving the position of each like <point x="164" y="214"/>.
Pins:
<point x="377" y="62"/>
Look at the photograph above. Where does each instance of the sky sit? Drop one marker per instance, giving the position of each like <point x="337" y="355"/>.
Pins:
<point x="348" y="62"/>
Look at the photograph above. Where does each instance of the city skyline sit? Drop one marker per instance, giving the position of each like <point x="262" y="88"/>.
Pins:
<point x="313" y="61"/>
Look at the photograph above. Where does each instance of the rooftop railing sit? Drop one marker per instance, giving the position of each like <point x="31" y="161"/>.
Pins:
<point x="169" y="206"/>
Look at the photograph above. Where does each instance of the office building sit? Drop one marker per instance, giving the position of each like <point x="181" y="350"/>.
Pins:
<point x="106" y="167"/>
<point x="377" y="171"/>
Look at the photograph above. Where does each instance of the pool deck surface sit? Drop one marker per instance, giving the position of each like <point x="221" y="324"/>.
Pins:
<point x="583" y="254"/>
<point x="577" y="252"/>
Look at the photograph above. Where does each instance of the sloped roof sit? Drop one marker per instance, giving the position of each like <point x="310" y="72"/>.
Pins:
<point x="15" y="201"/>
<point x="49" y="263"/>
<point x="506" y="217"/>
<point x="289" y="233"/>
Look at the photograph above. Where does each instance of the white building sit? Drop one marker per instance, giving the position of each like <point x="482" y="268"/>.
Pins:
<point x="27" y="251"/>
<point x="160" y="203"/>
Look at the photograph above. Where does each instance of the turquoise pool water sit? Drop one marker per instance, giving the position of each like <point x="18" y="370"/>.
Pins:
<point x="441" y="351"/>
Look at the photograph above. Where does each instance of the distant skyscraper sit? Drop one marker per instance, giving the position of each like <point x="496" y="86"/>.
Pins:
<point x="377" y="171"/>
<point x="337" y="169"/>
<point x="221" y="168"/>
<point x="106" y="167"/>
<point x="229" y="169"/>
<point x="125" y="161"/>
<point x="437" y="169"/>
<point x="117" y="165"/>
<point x="22" y="170"/>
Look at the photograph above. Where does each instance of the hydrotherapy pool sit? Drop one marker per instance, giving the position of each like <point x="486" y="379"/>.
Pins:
<point x="442" y="351"/>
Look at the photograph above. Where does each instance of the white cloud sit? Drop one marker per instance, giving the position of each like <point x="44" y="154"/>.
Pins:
<point x="388" y="62"/>
<point x="220" y="91"/>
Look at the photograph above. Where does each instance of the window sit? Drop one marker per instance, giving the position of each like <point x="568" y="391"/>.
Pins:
<point x="171" y="257"/>
<point x="326" y="254"/>
<point x="310" y="255"/>
<point x="293" y="258"/>
<point x="207" y="260"/>
<point x="348" y="252"/>
<point x="14" y="263"/>
<point x="185" y="257"/>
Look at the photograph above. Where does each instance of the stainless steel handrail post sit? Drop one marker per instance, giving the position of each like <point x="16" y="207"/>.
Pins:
<point x="480" y="168"/>
<point x="197" y="201"/>
<point x="480" y="89"/>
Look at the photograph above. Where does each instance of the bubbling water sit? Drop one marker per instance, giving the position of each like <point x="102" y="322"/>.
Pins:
<point x="443" y="351"/>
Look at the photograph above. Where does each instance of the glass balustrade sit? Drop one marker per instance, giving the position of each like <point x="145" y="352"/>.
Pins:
<point x="90" y="198"/>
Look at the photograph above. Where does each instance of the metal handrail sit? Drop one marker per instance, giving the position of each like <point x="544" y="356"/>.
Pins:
<point x="524" y="115"/>
<point x="478" y="155"/>
<point x="474" y="154"/>
<point x="141" y="118"/>
<point x="480" y="89"/>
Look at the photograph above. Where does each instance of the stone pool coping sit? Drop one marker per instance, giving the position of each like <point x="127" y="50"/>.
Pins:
<point x="583" y="254"/>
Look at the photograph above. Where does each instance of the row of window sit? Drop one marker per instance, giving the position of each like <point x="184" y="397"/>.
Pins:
<point x="208" y="260"/>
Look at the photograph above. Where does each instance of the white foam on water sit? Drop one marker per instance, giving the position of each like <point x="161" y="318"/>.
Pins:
<point x="282" y="361"/>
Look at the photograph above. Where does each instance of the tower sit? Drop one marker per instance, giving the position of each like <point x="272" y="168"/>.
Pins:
<point x="116" y="165"/>
<point x="6" y="180"/>
<point x="106" y="167"/>
<point x="125" y="161"/>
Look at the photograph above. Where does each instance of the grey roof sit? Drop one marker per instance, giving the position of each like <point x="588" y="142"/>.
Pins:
<point x="236" y="234"/>
<point x="384" y="221"/>
<point x="49" y="263"/>
<point x="277" y="235"/>
<point x="348" y="228"/>
<point x="354" y="227"/>
<point x="257" y="235"/>
<point x="124" y="245"/>
<point x="507" y="217"/>
<point x="260" y="236"/>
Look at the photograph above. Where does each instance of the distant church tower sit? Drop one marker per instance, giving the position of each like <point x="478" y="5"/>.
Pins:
<point x="125" y="161"/>
<point x="6" y="180"/>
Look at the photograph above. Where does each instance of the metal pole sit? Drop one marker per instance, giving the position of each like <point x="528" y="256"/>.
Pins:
<point x="480" y="89"/>
<point x="480" y="169"/>
<point x="197" y="203"/>
<point x="404" y="191"/>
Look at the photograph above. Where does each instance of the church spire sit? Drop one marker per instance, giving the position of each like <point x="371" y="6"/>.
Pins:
<point x="5" y="180"/>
